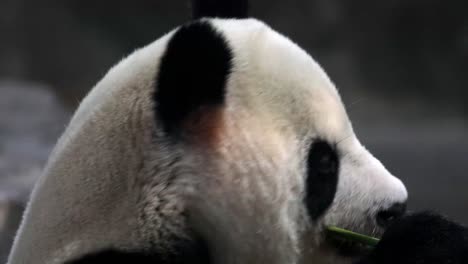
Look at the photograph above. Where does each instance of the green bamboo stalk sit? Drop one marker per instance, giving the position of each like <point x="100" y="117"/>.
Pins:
<point x="352" y="236"/>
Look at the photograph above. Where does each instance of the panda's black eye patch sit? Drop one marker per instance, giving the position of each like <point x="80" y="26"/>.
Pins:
<point x="322" y="177"/>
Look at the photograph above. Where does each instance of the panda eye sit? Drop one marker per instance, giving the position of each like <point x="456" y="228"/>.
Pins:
<point x="322" y="177"/>
<point x="327" y="163"/>
<point x="322" y="158"/>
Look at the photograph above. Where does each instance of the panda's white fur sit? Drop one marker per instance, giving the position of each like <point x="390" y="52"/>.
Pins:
<point x="245" y="194"/>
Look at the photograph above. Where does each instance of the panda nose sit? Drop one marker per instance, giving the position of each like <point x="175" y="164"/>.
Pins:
<point x="386" y="216"/>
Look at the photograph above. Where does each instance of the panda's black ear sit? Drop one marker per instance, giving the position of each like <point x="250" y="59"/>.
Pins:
<point x="220" y="8"/>
<point x="191" y="81"/>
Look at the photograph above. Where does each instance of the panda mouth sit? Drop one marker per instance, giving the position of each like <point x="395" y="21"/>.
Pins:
<point x="349" y="244"/>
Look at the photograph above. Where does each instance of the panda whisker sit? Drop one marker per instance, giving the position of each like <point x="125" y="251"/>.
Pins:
<point x="352" y="105"/>
<point x="343" y="139"/>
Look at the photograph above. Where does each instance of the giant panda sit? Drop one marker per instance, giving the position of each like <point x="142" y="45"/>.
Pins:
<point x="221" y="142"/>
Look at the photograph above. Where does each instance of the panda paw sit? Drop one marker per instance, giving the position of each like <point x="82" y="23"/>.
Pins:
<point x="421" y="238"/>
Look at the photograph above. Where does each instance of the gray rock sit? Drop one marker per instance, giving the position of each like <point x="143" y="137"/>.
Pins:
<point x="10" y="216"/>
<point x="31" y="120"/>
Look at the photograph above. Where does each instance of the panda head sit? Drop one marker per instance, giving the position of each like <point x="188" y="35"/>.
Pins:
<point x="221" y="142"/>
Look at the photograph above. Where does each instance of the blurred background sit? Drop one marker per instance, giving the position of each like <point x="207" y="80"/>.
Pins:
<point x="400" y="65"/>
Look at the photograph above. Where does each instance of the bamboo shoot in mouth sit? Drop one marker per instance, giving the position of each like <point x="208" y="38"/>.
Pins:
<point x="351" y="236"/>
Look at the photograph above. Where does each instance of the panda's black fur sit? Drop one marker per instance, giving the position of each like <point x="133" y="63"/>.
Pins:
<point x="322" y="177"/>
<point x="184" y="251"/>
<point x="421" y="238"/>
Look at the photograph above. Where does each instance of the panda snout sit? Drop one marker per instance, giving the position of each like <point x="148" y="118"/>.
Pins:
<point x="386" y="216"/>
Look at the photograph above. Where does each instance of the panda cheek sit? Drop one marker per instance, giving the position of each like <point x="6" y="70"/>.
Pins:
<point x="321" y="179"/>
